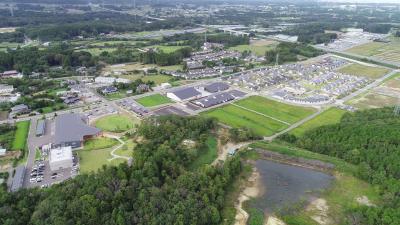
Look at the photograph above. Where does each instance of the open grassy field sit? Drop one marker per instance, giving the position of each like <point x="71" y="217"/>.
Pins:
<point x="167" y="49"/>
<point x="235" y="116"/>
<point x="364" y="71"/>
<point x="21" y="134"/>
<point x="129" y="67"/>
<point x="373" y="100"/>
<point x="343" y="193"/>
<point x="5" y="45"/>
<point x="93" y="160"/>
<point x="157" y="79"/>
<point x="99" y="143"/>
<point x="208" y="155"/>
<point x="330" y="116"/>
<point x="97" y="51"/>
<point x="127" y="149"/>
<point x="281" y="111"/>
<point x="153" y="100"/>
<point x="258" y="47"/>
<point x="385" y="51"/>
<point x="116" y="123"/>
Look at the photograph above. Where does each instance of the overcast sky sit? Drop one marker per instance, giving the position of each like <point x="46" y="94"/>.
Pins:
<point x="364" y="1"/>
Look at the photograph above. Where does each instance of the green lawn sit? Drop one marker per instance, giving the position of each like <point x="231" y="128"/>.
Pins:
<point x="281" y="111"/>
<point x="208" y="155"/>
<point x="153" y="100"/>
<point x="237" y="117"/>
<point x="115" y="123"/>
<point x="168" y="49"/>
<point x="258" y="50"/>
<point x="91" y="161"/>
<point x="127" y="149"/>
<point x="364" y="71"/>
<point x="330" y="116"/>
<point x="21" y="134"/>
<point x="99" y="143"/>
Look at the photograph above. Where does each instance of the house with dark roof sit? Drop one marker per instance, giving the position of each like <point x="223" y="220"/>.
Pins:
<point x="216" y="87"/>
<point x="109" y="90"/>
<point x="72" y="130"/>
<point x="185" y="94"/>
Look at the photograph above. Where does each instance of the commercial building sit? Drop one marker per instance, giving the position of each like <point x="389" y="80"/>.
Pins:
<point x="185" y="94"/>
<point x="61" y="158"/>
<point x="19" y="109"/>
<point x="216" y="87"/>
<point x="72" y="130"/>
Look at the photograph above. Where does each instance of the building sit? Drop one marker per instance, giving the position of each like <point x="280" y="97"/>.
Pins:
<point x="72" y="130"/>
<point x="3" y="151"/>
<point x="18" y="178"/>
<point x="216" y="87"/>
<point x="109" y="90"/>
<point x="185" y="94"/>
<point x="20" y="109"/>
<point x="141" y="88"/>
<point x="105" y="80"/>
<point x="6" y="89"/>
<point x="40" y="128"/>
<point x="60" y="158"/>
<point x="11" y="73"/>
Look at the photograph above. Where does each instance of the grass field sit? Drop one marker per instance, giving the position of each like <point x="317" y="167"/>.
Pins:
<point x="208" y="155"/>
<point x="168" y="49"/>
<point x="99" y="143"/>
<point x="281" y="111"/>
<point x="97" y="51"/>
<point x="127" y="149"/>
<point x="330" y="116"/>
<point x="364" y="71"/>
<point x="237" y="117"/>
<point x="153" y="100"/>
<point x="115" y="123"/>
<point x="157" y="79"/>
<point x="93" y="160"/>
<point x="258" y="47"/>
<point x="21" y="134"/>
<point x="386" y="51"/>
<point x="373" y="100"/>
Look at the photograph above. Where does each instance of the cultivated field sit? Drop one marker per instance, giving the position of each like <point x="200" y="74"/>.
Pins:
<point x="364" y="71"/>
<point x="115" y="123"/>
<point x="153" y="100"/>
<point x="330" y="116"/>
<point x="385" y="51"/>
<point x="157" y="79"/>
<point x="262" y="115"/>
<point x="167" y="49"/>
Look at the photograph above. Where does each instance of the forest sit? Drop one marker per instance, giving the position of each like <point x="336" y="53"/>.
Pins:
<point x="158" y="188"/>
<point x="289" y="52"/>
<point x="369" y="139"/>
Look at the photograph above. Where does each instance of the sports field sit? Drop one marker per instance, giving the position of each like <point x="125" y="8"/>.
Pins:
<point x="364" y="71"/>
<point x="153" y="100"/>
<point x="330" y="116"/>
<point x="263" y="116"/>
<point x="115" y="123"/>
<point x="21" y="134"/>
<point x="385" y="51"/>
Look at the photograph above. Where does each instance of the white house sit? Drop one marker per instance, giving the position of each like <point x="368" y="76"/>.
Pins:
<point x="6" y="89"/>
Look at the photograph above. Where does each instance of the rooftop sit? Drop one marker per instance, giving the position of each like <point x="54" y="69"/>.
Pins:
<point x="186" y="93"/>
<point x="216" y="87"/>
<point x="72" y="127"/>
<point x="61" y="154"/>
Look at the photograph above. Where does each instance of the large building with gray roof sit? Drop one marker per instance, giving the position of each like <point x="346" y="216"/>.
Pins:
<point x="216" y="87"/>
<point x="72" y="130"/>
<point x="185" y="94"/>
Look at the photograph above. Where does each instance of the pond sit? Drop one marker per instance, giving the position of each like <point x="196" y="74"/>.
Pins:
<point x="286" y="185"/>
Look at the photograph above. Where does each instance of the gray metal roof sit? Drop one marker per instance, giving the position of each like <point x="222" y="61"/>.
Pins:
<point x="71" y="127"/>
<point x="186" y="93"/>
<point x="236" y="93"/>
<point x="18" y="178"/>
<point x="216" y="87"/>
<point x="40" y="127"/>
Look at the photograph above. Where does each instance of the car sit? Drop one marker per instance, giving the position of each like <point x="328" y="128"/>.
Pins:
<point x="54" y="174"/>
<point x="53" y="177"/>
<point x="39" y="180"/>
<point x="32" y="180"/>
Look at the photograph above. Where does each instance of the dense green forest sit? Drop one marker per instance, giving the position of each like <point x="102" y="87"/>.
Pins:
<point x="290" y="52"/>
<point x="157" y="189"/>
<point x="371" y="140"/>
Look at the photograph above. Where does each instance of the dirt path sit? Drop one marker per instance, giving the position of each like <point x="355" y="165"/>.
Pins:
<point x="223" y="151"/>
<point x="122" y="143"/>
<point x="252" y="190"/>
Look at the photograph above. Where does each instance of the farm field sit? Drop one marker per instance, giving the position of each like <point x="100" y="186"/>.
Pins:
<point x="153" y="100"/>
<point x="129" y="67"/>
<point x="21" y="134"/>
<point x="97" y="51"/>
<point x="235" y="116"/>
<point x="157" y="79"/>
<point x="281" y="111"/>
<point x="364" y="71"/>
<point x="385" y="51"/>
<point x="258" y="47"/>
<point x="166" y="48"/>
<point x="373" y="100"/>
<point x="330" y="116"/>
<point x="115" y="123"/>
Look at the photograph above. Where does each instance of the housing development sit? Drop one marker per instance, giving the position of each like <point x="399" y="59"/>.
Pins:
<point x="208" y="112"/>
